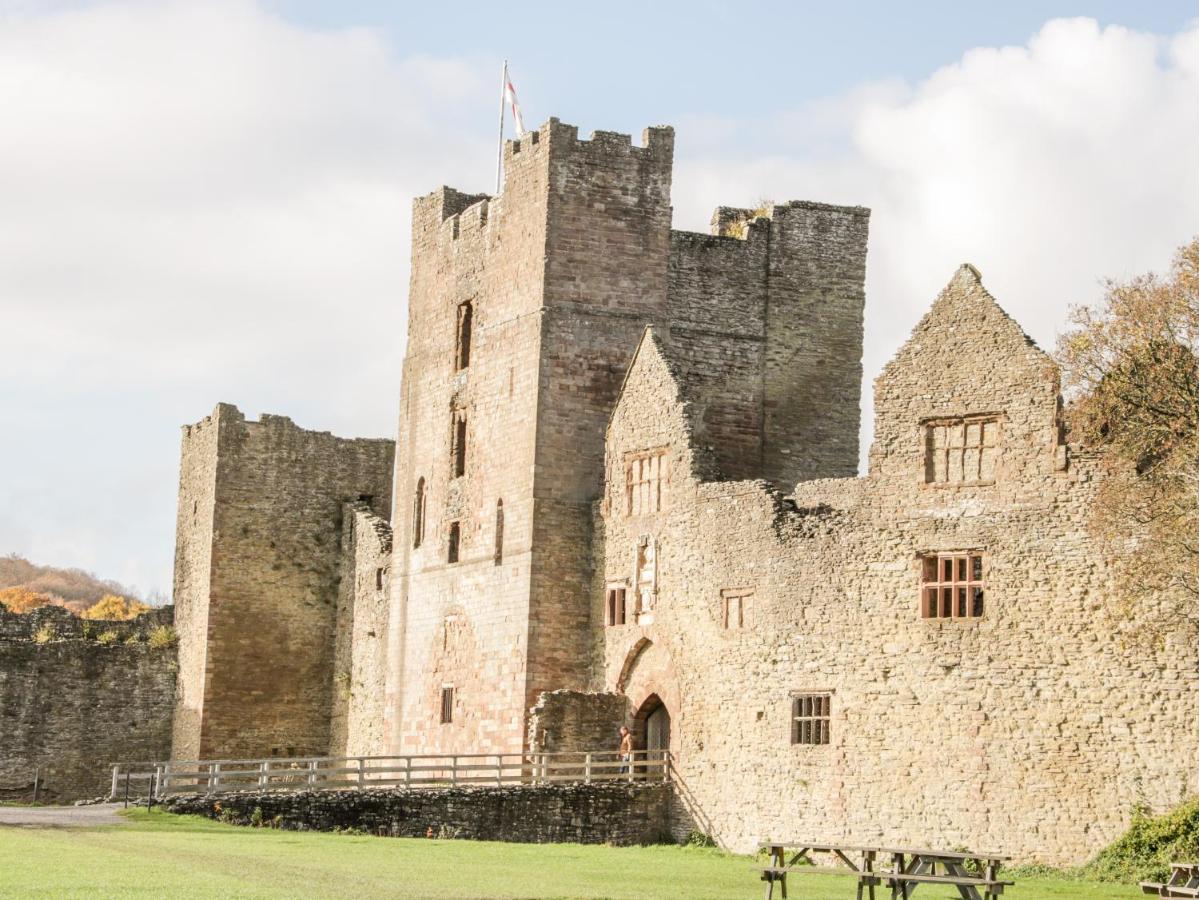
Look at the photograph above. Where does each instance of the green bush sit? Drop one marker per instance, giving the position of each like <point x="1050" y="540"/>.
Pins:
<point x="256" y="817"/>
<point x="162" y="636"/>
<point x="45" y="634"/>
<point x="107" y="637"/>
<point x="1145" y="851"/>
<point x="699" y="839"/>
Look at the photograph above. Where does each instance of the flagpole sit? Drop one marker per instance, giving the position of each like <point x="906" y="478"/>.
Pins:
<point x="499" y="162"/>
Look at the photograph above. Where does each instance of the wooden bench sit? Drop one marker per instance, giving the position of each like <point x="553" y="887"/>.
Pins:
<point x="1184" y="882"/>
<point x="800" y="862"/>
<point x="973" y="874"/>
<point x="967" y="870"/>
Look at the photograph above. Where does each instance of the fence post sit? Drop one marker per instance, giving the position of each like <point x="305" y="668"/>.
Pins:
<point x="407" y="771"/>
<point x="587" y="769"/>
<point x="37" y="778"/>
<point x="116" y="781"/>
<point x="214" y="777"/>
<point x="453" y="770"/>
<point x="499" y="770"/>
<point x="312" y="771"/>
<point x="361" y="775"/>
<point x="127" y="774"/>
<point x="164" y="785"/>
<point x="264" y="774"/>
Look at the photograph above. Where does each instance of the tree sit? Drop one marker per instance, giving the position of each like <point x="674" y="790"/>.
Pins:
<point x="111" y="607"/>
<point x="1131" y="371"/>
<point x="23" y="600"/>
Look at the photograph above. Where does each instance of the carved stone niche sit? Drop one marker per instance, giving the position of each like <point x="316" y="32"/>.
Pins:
<point x="645" y="579"/>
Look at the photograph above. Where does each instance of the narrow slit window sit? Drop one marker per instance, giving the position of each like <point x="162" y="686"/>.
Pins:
<point x="952" y="586"/>
<point x="810" y="718"/>
<point x="418" y="514"/>
<point x="451" y="555"/>
<point x="447" y="705"/>
<point x="499" y="532"/>
<point x="458" y="445"/>
<point x="465" y="324"/>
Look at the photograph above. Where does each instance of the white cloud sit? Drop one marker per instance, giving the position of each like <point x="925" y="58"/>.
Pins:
<point x="1050" y="166"/>
<point x="201" y="202"/>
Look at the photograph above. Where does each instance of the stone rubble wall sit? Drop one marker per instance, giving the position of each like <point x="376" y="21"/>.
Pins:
<point x="620" y="814"/>
<point x="73" y="706"/>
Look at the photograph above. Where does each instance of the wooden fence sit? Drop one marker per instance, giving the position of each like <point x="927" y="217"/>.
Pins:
<point x="427" y="771"/>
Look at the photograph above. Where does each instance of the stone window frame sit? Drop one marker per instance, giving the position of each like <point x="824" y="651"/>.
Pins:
<point x="616" y="603"/>
<point x="953" y="585"/>
<point x="453" y="551"/>
<point x="728" y="607"/>
<point x="447" y="704"/>
<point x="811" y="718"/>
<point x="928" y="449"/>
<point x="635" y="461"/>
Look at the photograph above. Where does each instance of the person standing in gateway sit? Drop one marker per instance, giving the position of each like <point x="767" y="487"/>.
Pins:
<point x="626" y="751"/>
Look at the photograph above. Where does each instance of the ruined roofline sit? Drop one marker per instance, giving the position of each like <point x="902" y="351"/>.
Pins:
<point x="230" y="412"/>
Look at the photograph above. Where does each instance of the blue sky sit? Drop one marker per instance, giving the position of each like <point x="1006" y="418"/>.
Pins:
<point x="209" y="201"/>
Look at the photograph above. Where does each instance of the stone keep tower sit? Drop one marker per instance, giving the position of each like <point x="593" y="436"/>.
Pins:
<point x="524" y="313"/>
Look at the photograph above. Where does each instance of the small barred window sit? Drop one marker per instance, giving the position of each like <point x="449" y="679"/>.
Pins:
<point x="810" y="718"/>
<point x="447" y="705"/>
<point x="952" y="586"/>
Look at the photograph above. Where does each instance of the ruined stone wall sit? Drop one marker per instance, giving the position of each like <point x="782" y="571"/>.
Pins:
<point x="619" y="814"/>
<point x="1033" y="730"/>
<point x="73" y="703"/>
<point x="360" y="646"/>
<point x="273" y="582"/>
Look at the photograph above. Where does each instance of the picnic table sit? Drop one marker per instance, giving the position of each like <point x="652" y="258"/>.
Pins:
<point x="968" y="871"/>
<point x="1184" y="882"/>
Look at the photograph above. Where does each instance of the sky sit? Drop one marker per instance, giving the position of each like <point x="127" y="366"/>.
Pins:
<point x="209" y="201"/>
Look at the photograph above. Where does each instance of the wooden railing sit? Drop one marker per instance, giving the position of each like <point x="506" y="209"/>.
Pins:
<point x="428" y="771"/>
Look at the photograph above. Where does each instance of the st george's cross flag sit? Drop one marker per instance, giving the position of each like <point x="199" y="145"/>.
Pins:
<point x="510" y="99"/>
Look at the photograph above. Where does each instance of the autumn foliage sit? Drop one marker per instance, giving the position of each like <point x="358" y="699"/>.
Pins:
<point x="114" y="607"/>
<point x="1131" y="369"/>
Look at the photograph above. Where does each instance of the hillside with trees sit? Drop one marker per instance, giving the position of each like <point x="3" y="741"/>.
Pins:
<point x="25" y="586"/>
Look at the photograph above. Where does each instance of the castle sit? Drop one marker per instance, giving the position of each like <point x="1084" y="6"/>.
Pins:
<point x="624" y="491"/>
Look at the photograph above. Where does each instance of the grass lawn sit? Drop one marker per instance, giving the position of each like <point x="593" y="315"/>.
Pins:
<point x="162" y="855"/>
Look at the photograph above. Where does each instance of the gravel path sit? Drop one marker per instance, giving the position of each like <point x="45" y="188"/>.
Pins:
<point x="61" y="816"/>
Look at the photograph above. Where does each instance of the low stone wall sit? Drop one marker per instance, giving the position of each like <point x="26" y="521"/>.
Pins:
<point x="77" y="696"/>
<point x="620" y="814"/>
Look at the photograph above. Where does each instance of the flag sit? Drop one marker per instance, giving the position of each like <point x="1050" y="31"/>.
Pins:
<point x="510" y="99"/>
